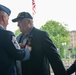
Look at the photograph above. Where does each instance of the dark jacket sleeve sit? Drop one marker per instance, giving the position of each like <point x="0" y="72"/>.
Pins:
<point x="11" y="49"/>
<point x="71" y="69"/>
<point x="51" y="53"/>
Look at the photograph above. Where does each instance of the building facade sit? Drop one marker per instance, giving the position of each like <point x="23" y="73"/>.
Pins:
<point x="72" y="38"/>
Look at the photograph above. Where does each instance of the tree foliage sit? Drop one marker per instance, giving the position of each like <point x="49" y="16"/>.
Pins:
<point x="58" y="33"/>
<point x="17" y="32"/>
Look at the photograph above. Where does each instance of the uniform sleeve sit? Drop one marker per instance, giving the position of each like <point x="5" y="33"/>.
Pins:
<point x="52" y="55"/>
<point x="13" y="49"/>
<point x="27" y="54"/>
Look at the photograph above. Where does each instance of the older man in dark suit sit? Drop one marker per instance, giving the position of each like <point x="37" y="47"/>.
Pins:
<point x="43" y="51"/>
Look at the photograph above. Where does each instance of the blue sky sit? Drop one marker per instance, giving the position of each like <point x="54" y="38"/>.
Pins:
<point x="63" y="11"/>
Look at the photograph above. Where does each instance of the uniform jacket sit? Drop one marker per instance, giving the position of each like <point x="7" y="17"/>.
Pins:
<point x="42" y="55"/>
<point x="8" y="53"/>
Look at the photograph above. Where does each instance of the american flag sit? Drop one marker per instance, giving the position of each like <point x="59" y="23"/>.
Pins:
<point x="33" y="7"/>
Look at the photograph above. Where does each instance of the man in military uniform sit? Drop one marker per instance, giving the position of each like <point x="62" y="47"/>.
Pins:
<point x="10" y="50"/>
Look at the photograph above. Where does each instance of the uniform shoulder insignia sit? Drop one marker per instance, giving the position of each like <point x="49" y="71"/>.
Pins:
<point x="15" y="43"/>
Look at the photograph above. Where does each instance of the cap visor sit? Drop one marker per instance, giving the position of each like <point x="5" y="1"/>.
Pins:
<point x="16" y="20"/>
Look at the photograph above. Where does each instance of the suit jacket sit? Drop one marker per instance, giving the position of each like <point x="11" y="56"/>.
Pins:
<point x="42" y="55"/>
<point x="8" y="53"/>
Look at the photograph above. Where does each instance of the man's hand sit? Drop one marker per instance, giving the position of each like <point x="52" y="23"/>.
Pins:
<point x="27" y="46"/>
<point x="22" y="45"/>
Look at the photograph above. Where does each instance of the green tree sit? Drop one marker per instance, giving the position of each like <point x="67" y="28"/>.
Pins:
<point x="17" y="32"/>
<point x="58" y="33"/>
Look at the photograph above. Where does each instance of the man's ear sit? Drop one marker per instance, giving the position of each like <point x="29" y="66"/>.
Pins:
<point x="28" y="22"/>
